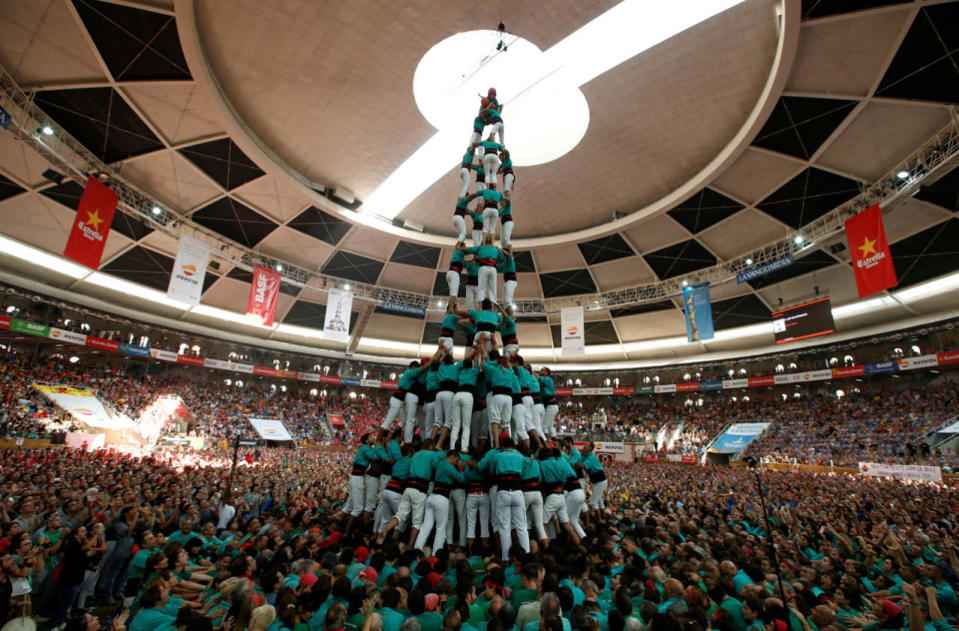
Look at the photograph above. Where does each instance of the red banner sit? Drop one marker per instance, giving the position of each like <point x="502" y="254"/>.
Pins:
<point x="848" y="371"/>
<point x="388" y="384"/>
<point x="91" y="227"/>
<point x="263" y="294"/>
<point x="871" y="258"/>
<point x="761" y="381"/>
<point x="5" y="322"/>
<point x="190" y="360"/>
<point x="329" y="379"/>
<point x="948" y="357"/>
<point x="265" y="371"/>
<point x="687" y="387"/>
<point x="654" y="457"/>
<point x="564" y="392"/>
<point x="689" y="459"/>
<point x="99" y="342"/>
<point x="626" y="391"/>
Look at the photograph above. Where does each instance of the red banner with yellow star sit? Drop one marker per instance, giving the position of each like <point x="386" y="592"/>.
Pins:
<point x="871" y="258"/>
<point x="92" y="224"/>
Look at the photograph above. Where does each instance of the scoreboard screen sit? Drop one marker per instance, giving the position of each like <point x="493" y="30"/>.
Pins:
<point x="803" y="321"/>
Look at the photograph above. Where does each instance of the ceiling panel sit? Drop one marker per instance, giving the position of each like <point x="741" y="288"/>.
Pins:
<point x="655" y="232"/>
<point x="741" y="311"/>
<point x="274" y="196"/>
<point x="756" y="174"/>
<point x="321" y="225"/>
<point x="567" y="283"/>
<point x="928" y="254"/>
<point x="173" y="181"/>
<point x="622" y="273"/>
<point x="744" y="232"/>
<point x="608" y="248"/>
<point x="143" y="266"/>
<point x="353" y="267"/>
<point x="223" y="161"/>
<point x="295" y="247"/>
<point x="798" y="126"/>
<point x="944" y="192"/>
<point x="555" y="258"/>
<point x="181" y="112"/>
<point x="925" y="65"/>
<point x="704" y="209"/>
<point x="416" y="254"/>
<point x="808" y="196"/>
<point x="409" y="278"/>
<point x="235" y="220"/>
<point x="681" y="258"/>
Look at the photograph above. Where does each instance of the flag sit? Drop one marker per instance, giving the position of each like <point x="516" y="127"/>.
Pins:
<point x="871" y="258"/>
<point x="571" y="331"/>
<point x="189" y="271"/>
<point x="699" y="313"/>
<point x="336" y="327"/>
<point x="92" y="224"/>
<point x="263" y="292"/>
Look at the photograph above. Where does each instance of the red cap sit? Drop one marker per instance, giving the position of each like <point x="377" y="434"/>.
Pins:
<point x="891" y="608"/>
<point x="432" y="561"/>
<point x="492" y="92"/>
<point x="433" y="578"/>
<point x="504" y="434"/>
<point x="780" y="625"/>
<point x="308" y="579"/>
<point x="369" y="574"/>
<point x="361" y="553"/>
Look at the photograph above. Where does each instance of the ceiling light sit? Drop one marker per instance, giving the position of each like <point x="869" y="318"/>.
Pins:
<point x="902" y="175"/>
<point x="74" y="359"/>
<point x="798" y="240"/>
<point x="157" y="210"/>
<point x="530" y="81"/>
<point x="36" y="256"/>
<point x="346" y="286"/>
<point x="749" y="261"/>
<point x="279" y="267"/>
<point x="47" y="130"/>
<point x="439" y="303"/>
<point x="685" y="283"/>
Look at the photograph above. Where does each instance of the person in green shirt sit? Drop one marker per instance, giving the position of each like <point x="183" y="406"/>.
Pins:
<point x="429" y="620"/>
<point x="532" y="578"/>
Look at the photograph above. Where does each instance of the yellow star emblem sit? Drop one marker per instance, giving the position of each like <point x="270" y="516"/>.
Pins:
<point x="868" y="247"/>
<point x="93" y="219"/>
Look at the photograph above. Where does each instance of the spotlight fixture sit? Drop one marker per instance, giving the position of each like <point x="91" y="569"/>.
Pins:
<point x="157" y="210"/>
<point x="799" y="239"/>
<point x="749" y="261"/>
<point x="685" y="283"/>
<point x="902" y="175"/>
<point x="346" y="286"/>
<point x="46" y="130"/>
<point x="279" y="267"/>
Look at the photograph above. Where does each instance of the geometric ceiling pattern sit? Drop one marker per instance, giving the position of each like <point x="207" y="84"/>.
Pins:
<point x="871" y="80"/>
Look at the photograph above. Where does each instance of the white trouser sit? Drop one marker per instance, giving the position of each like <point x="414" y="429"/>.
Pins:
<point x="539" y="411"/>
<point x="458" y="515"/>
<point x="509" y="289"/>
<point x="534" y="512"/>
<point x="465" y="177"/>
<point x="453" y="281"/>
<point x="490" y="215"/>
<point x="444" y="404"/>
<point x="477" y="505"/>
<point x="477" y="236"/>
<point x="384" y="478"/>
<point x="528" y="413"/>
<point x="575" y="501"/>
<point x="494" y="516"/>
<point x="555" y="506"/>
<point x="500" y="411"/>
<point x="518" y="422"/>
<point x="411" y="401"/>
<point x="395" y="406"/>
<point x="437" y="513"/>
<point x="471" y="296"/>
<point x="550" y="415"/>
<point x="460" y="419"/>
<point x="412" y="503"/>
<point x="476" y="137"/>
<point x="508" y="180"/>
<point x="447" y="344"/>
<point x="459" y="224"/>
<point x="491" y="164"/>
<point x="599" y="490"/>
<point x="506" y="238"/>
<point x="498" y="129"/>
<point x="511" y="510"/>
<point x="430" y="420"/>
<point x="479" y="424"/>
<point x="487" y="283"/>
<point x="484" y="341"/>
<point x="389" y="503"/>
<point x="357" y="495"/>
<point x="371" y="484"/>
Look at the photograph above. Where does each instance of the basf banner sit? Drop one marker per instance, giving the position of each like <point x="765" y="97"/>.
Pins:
<point x="263" y="293"/>
<point x="571" y="331"/>
<point x="901" y="471"/>
<point x="738" y="437"/>
<point x="270" y="429"/>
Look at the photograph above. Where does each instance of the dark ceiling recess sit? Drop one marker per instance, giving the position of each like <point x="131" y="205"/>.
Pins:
<point x="927" y="254"/>
<point x="415" y="254"/>
<point x="808" y="196"/>
<point x="798" y="125"/>
<point x="820" y="8"/>
<point x="568" y="283"/>
<point x="608" y="248"/>
<point x="704" y="209"/>
<point x="353" y="267"/>
<point x="311" y="314"/>
<point x="680" y="258"/>
<point x="223" y="161"/>
<point x="320" y="225"/>
<point x="739" y="311"/>
<point x="235" y="221"/>
<point x="812" y="262"/>
<point x="136" y="45"/>
<point x="8" y="188"/>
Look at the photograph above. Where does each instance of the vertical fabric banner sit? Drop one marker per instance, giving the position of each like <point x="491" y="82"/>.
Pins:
<point x="189" y="271"/>
<point x="871" y="258"/>
<point x="572" y="331"/>
<point x="699" y="313"/>
<point x="263" y="292"/>
<point x="92" y="224"/>
<point x="336" y="327"/>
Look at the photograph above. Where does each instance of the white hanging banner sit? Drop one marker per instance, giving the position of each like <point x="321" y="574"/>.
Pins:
<point x="189" y="270"/>
<point x="571" y="331"/>
<point x="270" y="429"/>
<point x="339" y="305"/>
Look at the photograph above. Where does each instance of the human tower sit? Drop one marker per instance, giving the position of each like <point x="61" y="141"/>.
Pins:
<point x="462" y="469"/>
<point x="493" y="390"/>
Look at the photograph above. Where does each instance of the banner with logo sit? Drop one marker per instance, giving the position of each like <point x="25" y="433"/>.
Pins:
<point x="91" y="227"/>
<point x="30" y="328"/>
<point x="270" y="429"/>
<point x="263" y="294"/>
<point x="189" y="271"/>
<point x="737" y="437"/>
<point x="572" y="331"/>
<point x="336" y="326"/>
<point x="871" y="258"/>
<point x="82" y="405"/>
<point x="67" y="336"/>
<point x="336" y="420"/>
<point x="699" y="313"/>
<point x="133" y="349"/>
<point x="901" y="471"/>
<point x="765" y="268"/>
